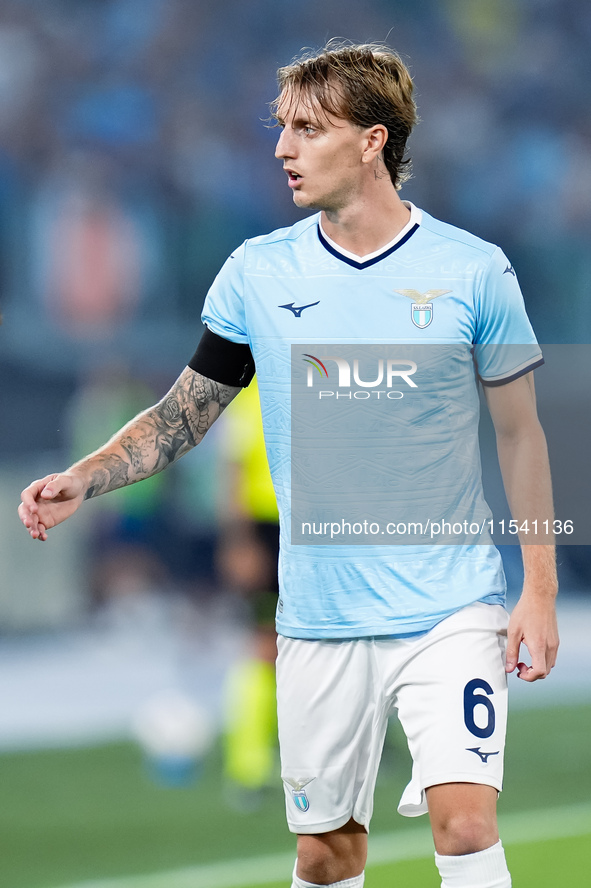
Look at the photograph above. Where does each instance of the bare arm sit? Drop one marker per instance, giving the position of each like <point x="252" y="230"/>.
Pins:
<point x="158" y="436"/>
<point x="143" y="447"/>
<point x="523" y="458"/>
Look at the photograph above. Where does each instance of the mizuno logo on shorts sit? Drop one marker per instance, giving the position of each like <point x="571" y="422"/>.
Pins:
<point x="484" y="756"/>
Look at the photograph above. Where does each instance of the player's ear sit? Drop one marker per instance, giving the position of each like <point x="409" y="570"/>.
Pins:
<point x="375" y="138"/>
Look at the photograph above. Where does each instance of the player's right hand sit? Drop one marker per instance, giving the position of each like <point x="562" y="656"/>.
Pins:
<point x="49" y="501"/>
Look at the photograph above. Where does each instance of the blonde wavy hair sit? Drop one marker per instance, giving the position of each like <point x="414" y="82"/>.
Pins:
<point x="366" y="84"/>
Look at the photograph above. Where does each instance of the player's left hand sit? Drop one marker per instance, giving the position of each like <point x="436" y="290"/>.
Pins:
<point x="533" y="623"/>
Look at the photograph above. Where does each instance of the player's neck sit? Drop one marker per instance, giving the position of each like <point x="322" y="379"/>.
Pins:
<point x="367" y="225"/>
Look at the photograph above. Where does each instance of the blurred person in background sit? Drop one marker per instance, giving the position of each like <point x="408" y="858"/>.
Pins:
<point x="338" y="615"/>
<point x="92" y="282"/>
<point x="127" y="570"/>
<point x="247" y="555"/>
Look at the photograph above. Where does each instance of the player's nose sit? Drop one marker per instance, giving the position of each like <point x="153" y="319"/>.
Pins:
<point x="285" y="144"/>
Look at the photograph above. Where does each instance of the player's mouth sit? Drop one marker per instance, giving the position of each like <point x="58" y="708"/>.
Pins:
<point x="293" y="178"/>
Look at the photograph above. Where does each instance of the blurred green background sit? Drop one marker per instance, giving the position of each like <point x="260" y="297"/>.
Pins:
<point x="72" y="815"/>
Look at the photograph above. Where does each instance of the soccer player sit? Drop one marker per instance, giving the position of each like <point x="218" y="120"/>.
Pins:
<point x="364" y="630"/>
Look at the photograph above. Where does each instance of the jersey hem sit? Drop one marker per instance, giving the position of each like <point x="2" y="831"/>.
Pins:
<point x="503" y="380"/>
<point x="237" y="338"/>
<point x="407" y="809"/>
<point x="408" y="629"/>
<point x="324" y="826"/>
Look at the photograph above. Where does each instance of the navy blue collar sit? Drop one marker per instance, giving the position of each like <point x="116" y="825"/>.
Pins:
<point x="368" y="262"/>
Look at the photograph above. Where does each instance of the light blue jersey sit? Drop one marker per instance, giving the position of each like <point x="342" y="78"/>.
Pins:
<point x="433" y="284"/>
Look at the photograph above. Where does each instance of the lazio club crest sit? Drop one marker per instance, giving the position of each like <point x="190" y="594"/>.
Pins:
<point x="422" y="315"/>
<point x="421" y="311"/>
<point x="300" y="799"/>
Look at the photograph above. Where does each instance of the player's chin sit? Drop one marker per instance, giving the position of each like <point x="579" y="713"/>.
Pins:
<point x="301" y="201"/>
<point x="305" y="201"/>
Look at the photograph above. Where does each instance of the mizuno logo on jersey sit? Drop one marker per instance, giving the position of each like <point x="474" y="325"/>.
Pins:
<point x="510" y="270"/>
<point x="484" y="756"/>
<point x="298" y="309"/>
<point x="421" y="311"/>
<point x="300" y="799"/>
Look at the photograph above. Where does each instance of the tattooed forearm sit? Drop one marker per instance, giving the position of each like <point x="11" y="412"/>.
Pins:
<point x="160" y="435"/>
<point x="183" y="417"/>
<point x="201" y="401"/>
<point x="137" y="453"/>
<point x="111" y="473"/>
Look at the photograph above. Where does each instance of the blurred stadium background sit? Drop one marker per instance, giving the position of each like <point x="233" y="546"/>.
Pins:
<point x="134" y="157"/>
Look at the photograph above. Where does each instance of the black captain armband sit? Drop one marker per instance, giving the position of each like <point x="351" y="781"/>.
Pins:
<point x="229" y="363"/>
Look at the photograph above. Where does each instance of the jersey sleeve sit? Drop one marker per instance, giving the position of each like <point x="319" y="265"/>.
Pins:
<point x="223" y="311"/>
<point x="505" y="346"/>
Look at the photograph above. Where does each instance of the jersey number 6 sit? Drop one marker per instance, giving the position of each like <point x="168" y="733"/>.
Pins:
<point x="472" y="700"/>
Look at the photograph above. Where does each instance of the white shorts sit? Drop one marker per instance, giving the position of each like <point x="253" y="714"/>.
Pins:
<point x="334" y="699"/>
